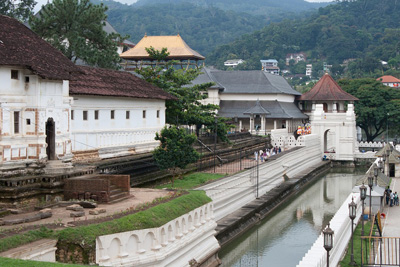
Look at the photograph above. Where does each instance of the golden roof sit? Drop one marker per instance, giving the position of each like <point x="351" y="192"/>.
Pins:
<point x="177" y="48"/>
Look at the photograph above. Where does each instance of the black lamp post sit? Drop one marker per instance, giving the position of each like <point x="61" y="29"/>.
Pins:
<point x="328" y="242"/>
<point x="370" y="184"/>
<point x="376" y="174"/>
<point x="384" y="162"/>
<point x="352" y="215"/>
<point x="363" y="195"/>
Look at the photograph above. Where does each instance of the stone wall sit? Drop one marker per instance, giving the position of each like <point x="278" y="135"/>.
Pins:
<point x="188" y="239"/>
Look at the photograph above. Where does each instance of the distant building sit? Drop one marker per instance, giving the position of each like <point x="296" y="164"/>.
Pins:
<point x="297" y="57"/>
<point x="233" y="62"/>
<point x="270" y="66"/>
<point x="176" y="47"/>
<point x="389" y="80"/>
<point x="309" y="70"/>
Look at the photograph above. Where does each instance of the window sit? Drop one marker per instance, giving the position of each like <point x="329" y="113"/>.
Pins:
<point x="158" y="114"/>
<point x="85" y="115"/>
<point x="16" y="122"/>
<point x="26" y="79"/>
<point x="72" y="114"/>
<point x="28" y="121"/>
<point x="112" y="114"/>
<point x="144" y="114"/>
<point x="96" y="114"/>
<point x="14" y="74"/>
<point x="127" y="114"/>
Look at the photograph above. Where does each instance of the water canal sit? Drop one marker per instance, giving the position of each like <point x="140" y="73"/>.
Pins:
<point x="284" y="237"/>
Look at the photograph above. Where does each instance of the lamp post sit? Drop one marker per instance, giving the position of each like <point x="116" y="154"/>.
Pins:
<point x="387" y="160"/>
<point x="363" y="195"/>
<point x="387" y="128"/>
<point x="328" y="242"/>
<point x="370" y="184"/>
<point x="376" y="174"/>
<point x="384" y="162"/>
<point x="352" y="215"/>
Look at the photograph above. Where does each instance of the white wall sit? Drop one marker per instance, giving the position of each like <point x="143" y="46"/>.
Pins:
<point x="188" y="237"/>
<point x="106" y="132"/>
<point x="36" y="101"/>
<point x="254" y="97"/>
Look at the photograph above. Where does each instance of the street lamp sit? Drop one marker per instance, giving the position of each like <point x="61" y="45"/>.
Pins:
<point x="384" y="162"/>
<point x="352" y="215"/>
<point x="376" y="174"/>
<point x="363" y="195"/>
<point x="370" y="184"/>
<point x="328" y="242"/>
<point x="387" y="159"/>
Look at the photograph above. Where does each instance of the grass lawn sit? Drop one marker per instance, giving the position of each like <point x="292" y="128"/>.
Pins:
<point x="26" y="263"/>
<point x="357" y="246"/>
<point x="192" y="180"/>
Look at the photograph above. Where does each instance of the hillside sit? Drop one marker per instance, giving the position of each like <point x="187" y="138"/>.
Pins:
<point x="203" y="25"/>
<point x="268" y="8"/>
<point x="364" y="29"/>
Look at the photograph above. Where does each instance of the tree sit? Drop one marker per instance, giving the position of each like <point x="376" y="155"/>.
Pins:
<point x="188" y="109"/>
<point x="378" y="106"/>
<point x="76" y="28"/>
<point x="175" y="151"/>
<point x="20" y="10"/>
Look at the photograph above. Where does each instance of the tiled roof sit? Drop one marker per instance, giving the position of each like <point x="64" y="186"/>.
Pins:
<point x="104" y="82"/>
<point x="177" y="48"/>
<point x="388" y="79"/>
<point x="19" y="46"/>
<point x="246" y="82"/>
<point x="275" y="109"/>
<point x="327" y="89"/>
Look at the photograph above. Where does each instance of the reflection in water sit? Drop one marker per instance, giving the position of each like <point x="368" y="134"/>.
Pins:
<point x="285" y="236"/>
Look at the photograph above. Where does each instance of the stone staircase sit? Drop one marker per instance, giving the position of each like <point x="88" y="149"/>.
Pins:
<point x="117" y="194"/>
<point x="58" y="167"/>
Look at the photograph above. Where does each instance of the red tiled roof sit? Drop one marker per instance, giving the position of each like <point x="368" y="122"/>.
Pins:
<point x="105" y="82"/>
<point x="19" y="46"/>
<point x="327" y="89"/>
<point x="388" y="79"/>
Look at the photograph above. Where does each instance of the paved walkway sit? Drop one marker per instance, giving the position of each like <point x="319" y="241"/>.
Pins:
<point x="391" y="226"/>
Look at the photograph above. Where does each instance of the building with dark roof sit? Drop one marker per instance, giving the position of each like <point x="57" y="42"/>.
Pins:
<point x="331" y="113"/>
<point x="254" y="100"/>
<point x="52" y="109"/>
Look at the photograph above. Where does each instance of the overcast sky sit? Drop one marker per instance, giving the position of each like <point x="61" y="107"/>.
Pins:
<point x="43" y="2"/>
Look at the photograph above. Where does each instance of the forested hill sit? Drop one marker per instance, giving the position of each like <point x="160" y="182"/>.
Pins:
<point x="268" y="8"/>
<point x="203" y="29"/>
<point x="363" y="29"/>
<point x="202" y="24"/>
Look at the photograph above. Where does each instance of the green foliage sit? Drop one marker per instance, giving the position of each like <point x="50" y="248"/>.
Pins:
<point x="188" y="108"/>
<point x="193" y="180"/>
<point x="76" y="28"/>
<point x="364" y="30"/>
<point x="20" y="10"/>
<point x="150" y="218"/>
<point x="377" y="108"/>
<point x="175" y="151"/>
<point x="27" y="263"/>
<point x="18" y="240"/>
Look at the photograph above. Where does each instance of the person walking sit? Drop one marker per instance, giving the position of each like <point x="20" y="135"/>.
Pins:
<point x="387" y="195"/>
<point x="391" y="198"/>
<point x="396" y="199"/>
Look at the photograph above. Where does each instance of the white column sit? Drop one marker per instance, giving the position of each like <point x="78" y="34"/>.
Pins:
<point x="263" y="123"/>
<point x="334" y="109"/>
<point x="251" y="124"/>
<point x="274" y="124"/>
<point x="240" y="125"/>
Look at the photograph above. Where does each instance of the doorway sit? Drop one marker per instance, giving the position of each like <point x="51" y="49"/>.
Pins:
<point x="51" y="139"/>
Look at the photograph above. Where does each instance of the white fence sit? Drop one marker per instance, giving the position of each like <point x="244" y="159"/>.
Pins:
<point x="189" y="237"/>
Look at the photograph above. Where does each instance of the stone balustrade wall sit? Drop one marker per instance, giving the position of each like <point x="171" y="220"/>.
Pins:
<point x="188" y="238"/>
<point x="341" y="226"/>
<point x="233" y="192"/>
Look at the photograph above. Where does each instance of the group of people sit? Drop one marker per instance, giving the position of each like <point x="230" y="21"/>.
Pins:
<point x="264" y="155"/>
<point x="391" y="198"/>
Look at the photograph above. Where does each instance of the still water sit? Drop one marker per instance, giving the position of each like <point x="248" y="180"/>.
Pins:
<point x="284" y="237"/>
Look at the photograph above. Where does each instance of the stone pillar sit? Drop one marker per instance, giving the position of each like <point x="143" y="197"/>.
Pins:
<point x="240" y="125"/>
<point x="263" y="123"/>
<point x="251" y="123"/>
<point x="334" y="107"/>
<point x="275" y="124"/>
